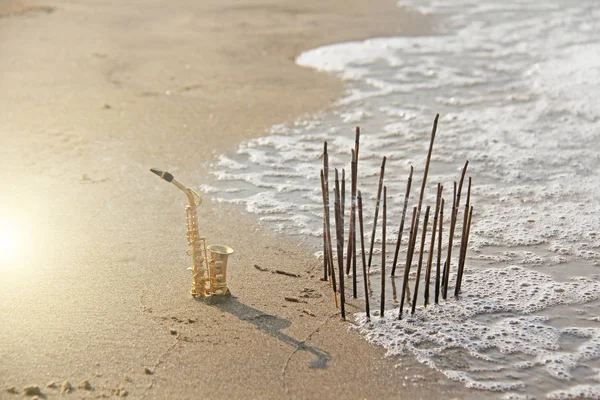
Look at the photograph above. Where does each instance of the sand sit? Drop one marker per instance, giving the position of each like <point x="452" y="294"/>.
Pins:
<point x="93" y="94"/>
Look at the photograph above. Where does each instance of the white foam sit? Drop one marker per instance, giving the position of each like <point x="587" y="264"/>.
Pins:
<point x="591" y="392"/>
<point x="347" y="58"/>
<point x="498" y="312"/>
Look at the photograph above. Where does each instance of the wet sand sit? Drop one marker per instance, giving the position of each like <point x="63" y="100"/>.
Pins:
<point x="95" y="93"/>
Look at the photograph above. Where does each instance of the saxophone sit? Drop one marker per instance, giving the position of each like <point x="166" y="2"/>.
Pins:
<point x="208" y="277"/>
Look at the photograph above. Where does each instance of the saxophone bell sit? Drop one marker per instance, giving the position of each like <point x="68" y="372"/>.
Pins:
<point x="219" y="255"/>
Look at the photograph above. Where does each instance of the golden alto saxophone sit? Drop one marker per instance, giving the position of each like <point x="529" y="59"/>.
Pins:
<point x="209" y="276"/>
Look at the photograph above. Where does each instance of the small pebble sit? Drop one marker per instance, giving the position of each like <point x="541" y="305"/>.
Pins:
<point x="120" y="391"/>
<point x="12" y="389"/>
<point x="292" y="299"/>
<point x="32" y="390"/>
<point x="85" y="385"/>
<point x="51" y="385"/>
<point x="173" y="331"/>
<point x="308" y="312"/>
<point x="148" y="371"/>
<point x="65" y="387"/>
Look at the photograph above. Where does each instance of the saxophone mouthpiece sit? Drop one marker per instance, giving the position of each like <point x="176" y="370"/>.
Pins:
<point x="167" y="176"/>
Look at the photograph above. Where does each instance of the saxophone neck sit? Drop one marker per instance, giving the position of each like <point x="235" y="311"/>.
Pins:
<point x="194" y="199"/>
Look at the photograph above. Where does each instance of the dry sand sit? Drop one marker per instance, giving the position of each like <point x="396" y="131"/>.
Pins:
<point x="94" y="93"/>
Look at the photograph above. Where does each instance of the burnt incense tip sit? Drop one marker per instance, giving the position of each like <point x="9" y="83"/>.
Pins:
<point x="163" y="174"/>
<point x="325" y="147"/>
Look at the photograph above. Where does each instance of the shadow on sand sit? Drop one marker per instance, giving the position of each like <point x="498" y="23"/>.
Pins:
<point x="272" y="325"/>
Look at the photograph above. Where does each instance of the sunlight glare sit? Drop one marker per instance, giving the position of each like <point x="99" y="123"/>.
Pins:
<point x="9" y="243"/>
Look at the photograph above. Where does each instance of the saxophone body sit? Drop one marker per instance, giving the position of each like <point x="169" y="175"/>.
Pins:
<point x="197" y="248"/>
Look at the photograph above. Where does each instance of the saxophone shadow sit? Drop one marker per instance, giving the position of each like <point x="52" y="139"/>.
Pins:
<point x="273" y="325"/>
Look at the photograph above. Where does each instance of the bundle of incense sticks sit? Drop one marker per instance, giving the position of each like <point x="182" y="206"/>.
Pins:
<point x="441" y="280"/>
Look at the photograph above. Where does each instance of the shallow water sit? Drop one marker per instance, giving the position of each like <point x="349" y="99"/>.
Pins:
<point x="515" y="85"/>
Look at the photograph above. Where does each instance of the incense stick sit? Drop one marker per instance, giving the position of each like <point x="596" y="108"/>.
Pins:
<point x="354" y="189"/>
<point x="408" y="260"/>
<point x="421" y="251"/>
<point x="432" y="246"/>
<point x="357" y="143"/>
<point x="362" y="252"/>
<point x="463" y="243"/>
<point x="413" y="246"/>
<point x="354" y="277"/>
<point x="446" y="273"/>
<point x="351" y="251"/>
<point x="343" y="208"/>
<point x="460" y="185"/>
<point x="424" y="182"/>
<point x="330" y="248"/>
<point x="466" y="247"/>
<point x="325" y="251"/>
<point x="401" y="228"/>
<point x="328" y="212"/>
<point x="455" y="207"/>
<point x="340" y="244"/>
<point x="383" y="228"/>
<point x="349" y="248"/>
<point x="379" y="188"/>
<point x="352" y="234"/>
<point x="355" y="181"/>
<point x="439" y="254"/>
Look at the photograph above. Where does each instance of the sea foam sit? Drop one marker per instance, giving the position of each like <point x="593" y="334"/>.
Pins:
<point x="498" y="312"/>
